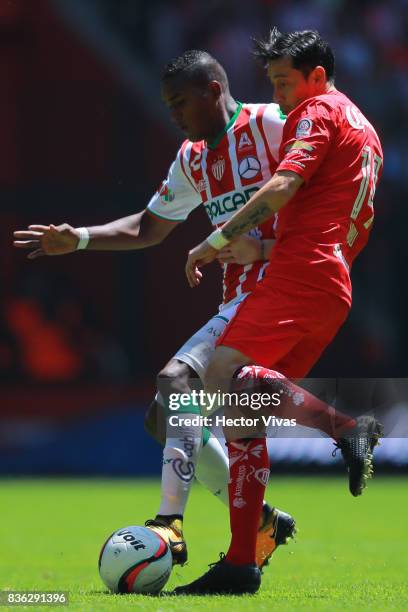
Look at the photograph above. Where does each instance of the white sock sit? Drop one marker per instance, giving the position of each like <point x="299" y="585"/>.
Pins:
<point x="180" y="455"/>
<point x="213" y="469"/>
<point x="208" y="463"/>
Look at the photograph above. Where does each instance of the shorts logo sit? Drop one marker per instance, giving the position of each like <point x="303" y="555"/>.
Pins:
<point x="304" y="127"/>
<point x="218" y="168"/>
<point x="183" y="469"/>
<point x="166" y="194"/>
<point x="249" y="167"/>
<point x="213" y="331"/>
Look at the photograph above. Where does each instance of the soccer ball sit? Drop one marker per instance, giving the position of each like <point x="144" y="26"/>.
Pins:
<point x="135" y="560"/>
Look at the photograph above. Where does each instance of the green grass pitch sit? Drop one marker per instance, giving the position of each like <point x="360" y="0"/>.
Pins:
<point x="349" y="554"/>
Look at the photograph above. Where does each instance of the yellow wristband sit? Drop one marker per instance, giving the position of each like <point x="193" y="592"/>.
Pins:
<point x="217" y="239"/>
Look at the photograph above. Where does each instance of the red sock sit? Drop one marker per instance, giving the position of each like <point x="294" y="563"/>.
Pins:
<point x="249" y="473"/>
<point x="296" y="403"/>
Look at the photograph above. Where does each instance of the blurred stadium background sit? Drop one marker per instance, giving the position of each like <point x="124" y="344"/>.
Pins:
<point x="86" y="139"/>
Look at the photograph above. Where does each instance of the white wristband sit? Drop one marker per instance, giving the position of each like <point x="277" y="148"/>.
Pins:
<point x="83" y="238"/>
<point x="217" y="239"/>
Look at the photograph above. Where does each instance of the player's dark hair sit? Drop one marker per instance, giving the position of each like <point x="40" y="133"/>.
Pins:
<point x="198" y="67"/>
<point x="307" y="50"/>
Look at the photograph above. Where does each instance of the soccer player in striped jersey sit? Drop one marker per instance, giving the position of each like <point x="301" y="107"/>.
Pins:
<point x="230" y="152"/>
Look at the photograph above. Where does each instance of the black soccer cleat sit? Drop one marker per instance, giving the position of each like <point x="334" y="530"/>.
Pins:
<point x="357" y="448"/>
<point x="276" y="528"/>
<point x="224" y="579"/>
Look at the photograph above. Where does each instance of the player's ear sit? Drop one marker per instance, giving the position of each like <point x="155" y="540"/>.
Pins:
<point x="318" y="76"/>
<point x="215" y="89"/>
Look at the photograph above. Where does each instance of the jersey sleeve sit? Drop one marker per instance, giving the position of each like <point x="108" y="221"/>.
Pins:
<point x="273" y="121"/>
<point x="176" y="197"/>
<point x="306" y="139"/>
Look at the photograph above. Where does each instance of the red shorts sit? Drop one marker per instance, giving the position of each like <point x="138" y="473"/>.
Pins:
<point x="285" y="326"/>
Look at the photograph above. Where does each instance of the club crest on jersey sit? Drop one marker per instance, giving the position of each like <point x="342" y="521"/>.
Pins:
<point x="304" y="127"/>
<point x="249" y="167"/>
<point x="166" y="194"/>
<point x="244" y="141"/>
<point x="218" y="168"/>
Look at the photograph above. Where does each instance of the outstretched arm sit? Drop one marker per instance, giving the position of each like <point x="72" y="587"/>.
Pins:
<point x="136" y="231"/>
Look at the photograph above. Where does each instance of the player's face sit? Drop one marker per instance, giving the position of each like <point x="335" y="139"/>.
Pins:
<point x="290" y="86"/>
<point x="193" y="110"/>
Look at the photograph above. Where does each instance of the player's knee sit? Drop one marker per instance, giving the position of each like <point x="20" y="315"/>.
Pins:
<point x="219" y="371"/>
<point x="174" y="378"/>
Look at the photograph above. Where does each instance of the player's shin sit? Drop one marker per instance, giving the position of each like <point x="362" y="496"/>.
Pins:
<point x="213" y="469"/>
<point x="180" y="456"/>
<point x="249" y="473"/>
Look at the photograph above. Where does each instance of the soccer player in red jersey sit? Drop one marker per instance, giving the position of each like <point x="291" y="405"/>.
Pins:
<point x="322" y="191"/>
<point x="230" y="152"/>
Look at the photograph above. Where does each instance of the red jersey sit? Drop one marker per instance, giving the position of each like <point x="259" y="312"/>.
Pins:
<point x="222" y="176"/>
<point x="332" y="146"/>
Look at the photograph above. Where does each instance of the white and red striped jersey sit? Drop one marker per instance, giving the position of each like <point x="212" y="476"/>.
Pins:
<point x="222" y="176"/>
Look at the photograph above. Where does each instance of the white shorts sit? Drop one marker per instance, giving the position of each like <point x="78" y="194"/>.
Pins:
<point x="199" y="349"/>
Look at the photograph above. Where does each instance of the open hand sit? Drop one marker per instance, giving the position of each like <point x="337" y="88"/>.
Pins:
<point x="47" y="240"/>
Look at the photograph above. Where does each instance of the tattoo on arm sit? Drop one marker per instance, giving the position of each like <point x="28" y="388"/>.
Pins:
<point x="247" y="220"/>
